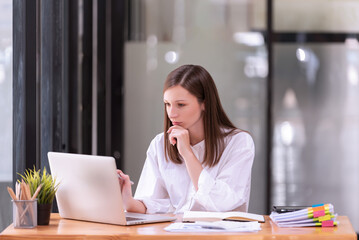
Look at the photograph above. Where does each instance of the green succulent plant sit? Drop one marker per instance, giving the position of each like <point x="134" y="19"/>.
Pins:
<point x="35" y="178"/>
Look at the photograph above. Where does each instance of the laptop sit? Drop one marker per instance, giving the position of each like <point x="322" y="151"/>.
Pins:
<point x="89" y="190"/>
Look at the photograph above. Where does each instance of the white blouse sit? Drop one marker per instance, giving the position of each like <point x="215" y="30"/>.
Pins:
<point x="166" y="187"/>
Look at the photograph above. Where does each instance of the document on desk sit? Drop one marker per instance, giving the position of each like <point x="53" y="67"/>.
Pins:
<point x="192" y="216"/>
<point x="219" y="226"/>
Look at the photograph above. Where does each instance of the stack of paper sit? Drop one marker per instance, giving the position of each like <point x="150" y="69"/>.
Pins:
<point x="218" y="226"/>
<point x="321" y="215"/>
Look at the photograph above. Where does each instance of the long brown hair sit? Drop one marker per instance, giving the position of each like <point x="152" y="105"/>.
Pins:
<point x="217" y="125"/>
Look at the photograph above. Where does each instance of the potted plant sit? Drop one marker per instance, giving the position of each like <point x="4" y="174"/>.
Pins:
<point x="46" y="195"/>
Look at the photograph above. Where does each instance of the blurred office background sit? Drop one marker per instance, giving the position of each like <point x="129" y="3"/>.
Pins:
<point x="5" y="111"/>
<point x="286" y="70"/>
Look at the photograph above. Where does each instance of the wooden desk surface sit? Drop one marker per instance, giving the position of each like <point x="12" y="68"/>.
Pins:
<point x="70" y="229"/>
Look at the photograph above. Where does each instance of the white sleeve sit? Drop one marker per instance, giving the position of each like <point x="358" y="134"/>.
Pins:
<point x="230" y="189"/>
<point x="151" y="188"/>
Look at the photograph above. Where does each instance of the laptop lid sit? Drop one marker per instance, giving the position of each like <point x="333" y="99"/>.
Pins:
<point x="89" y="190"/>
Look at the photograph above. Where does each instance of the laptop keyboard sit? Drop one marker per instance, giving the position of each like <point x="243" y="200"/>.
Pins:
<point x="133" y="219"/>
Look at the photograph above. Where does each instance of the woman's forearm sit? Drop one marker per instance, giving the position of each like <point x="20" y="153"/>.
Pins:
<point x="194" y="167"/>
<point x="134" y="205"/>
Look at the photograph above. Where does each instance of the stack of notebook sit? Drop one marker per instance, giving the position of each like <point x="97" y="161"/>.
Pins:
<point x="321" y="215"/>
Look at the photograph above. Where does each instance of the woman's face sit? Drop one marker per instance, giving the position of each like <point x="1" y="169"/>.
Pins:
<point x="183" y="108"/>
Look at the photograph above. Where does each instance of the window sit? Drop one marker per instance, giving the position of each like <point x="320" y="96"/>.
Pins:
<point x="315" y="114"/>
<point x="6" y="110"/>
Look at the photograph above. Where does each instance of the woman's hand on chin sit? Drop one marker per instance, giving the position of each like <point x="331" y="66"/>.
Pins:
<point x="179" y="136"/>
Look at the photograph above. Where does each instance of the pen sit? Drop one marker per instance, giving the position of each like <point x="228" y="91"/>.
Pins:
<point x="213" y="227"/>
<point x="119" y="176"/>
<point x="206" y="225"/>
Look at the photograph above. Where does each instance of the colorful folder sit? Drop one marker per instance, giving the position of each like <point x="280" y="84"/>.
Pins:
<point x="321" y="215"/>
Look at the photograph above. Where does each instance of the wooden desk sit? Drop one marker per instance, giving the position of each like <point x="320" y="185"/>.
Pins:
<point x="71" y="229"/>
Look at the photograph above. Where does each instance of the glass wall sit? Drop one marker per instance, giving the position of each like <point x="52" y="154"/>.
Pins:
<point x="329" y="16"/>
<point x="315" y="112"/>
<point x="6" y="111"/>
<point x="226" y="37"/>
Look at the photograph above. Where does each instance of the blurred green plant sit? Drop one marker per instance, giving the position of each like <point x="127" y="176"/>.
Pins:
<point x="35" y="178"/>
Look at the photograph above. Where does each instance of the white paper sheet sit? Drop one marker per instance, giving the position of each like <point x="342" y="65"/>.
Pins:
<point x="219" y="226"/>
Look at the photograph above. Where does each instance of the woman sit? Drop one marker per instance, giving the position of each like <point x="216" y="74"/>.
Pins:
<point x="201" y="161"/>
